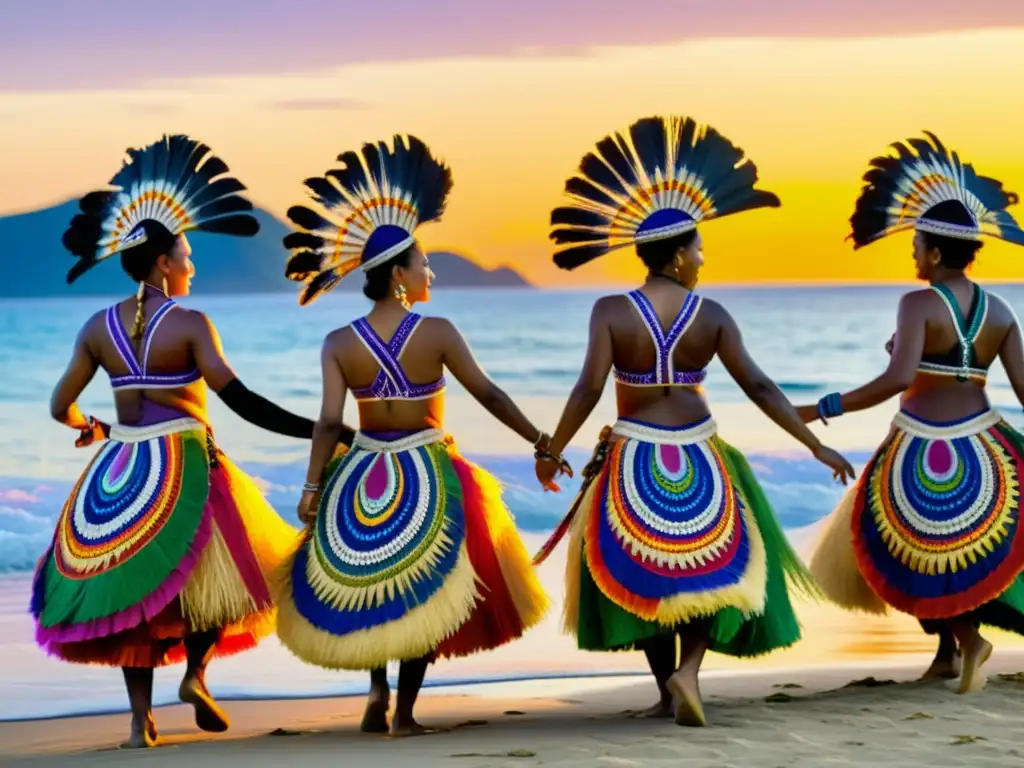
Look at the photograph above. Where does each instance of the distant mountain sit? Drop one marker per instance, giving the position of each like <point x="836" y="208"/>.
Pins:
<point x="35" y="264"/>
<point x="454" y="271"/>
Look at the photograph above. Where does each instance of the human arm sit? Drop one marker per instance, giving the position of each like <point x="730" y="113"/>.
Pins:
<point x="254" y="408"/>
<point x="904" y="358"/>
<point x="63" y="401"/>
<point x="590" y="385"/>
<point x="328" y="429"/>
<point x="1011" y="355"/>
<point x="756" y="384"/>
<point x="459" y="359"/>
<point x="767" y="396"/>
<point x="585" y="395"/>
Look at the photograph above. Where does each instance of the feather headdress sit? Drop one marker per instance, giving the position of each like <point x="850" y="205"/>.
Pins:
<point x="175" y="181"/>
<point x="662" y="177"/>
<point x="901" y="192"/>
<point x="373" y="203"/>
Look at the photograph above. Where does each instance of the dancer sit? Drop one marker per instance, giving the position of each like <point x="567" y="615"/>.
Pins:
<point x="931" y="526"/>
<point x="412" y="554"/>
<point x="946" y="663"/>
<point x="671" y="533"/>
<point x="161" y="549"/>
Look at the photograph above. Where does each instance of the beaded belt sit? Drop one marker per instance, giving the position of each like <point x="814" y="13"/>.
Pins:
<point x="407" y="443"/>
<point x="126" y="433"/>
<point x="929" y="430"/>
<point x="697" y="432"/>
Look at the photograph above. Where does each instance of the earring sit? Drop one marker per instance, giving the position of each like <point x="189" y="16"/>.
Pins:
<point x="168" y="295"/>
<point x="400" y="294"/>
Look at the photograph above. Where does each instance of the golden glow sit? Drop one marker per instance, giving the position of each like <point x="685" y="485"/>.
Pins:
<point x="810" y="113"/>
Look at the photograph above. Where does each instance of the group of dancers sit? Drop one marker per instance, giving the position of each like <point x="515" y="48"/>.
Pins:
<point x="166" y="551"/>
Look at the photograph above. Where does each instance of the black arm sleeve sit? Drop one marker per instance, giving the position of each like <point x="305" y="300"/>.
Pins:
<point x="257" y="410"/>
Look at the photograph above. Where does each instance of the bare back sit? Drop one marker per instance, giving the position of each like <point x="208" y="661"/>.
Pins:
<point x="945" y="397"/>
<point x="421" y="360"/>
<point x="166" y="353"/>
<point x="635" y="348"/>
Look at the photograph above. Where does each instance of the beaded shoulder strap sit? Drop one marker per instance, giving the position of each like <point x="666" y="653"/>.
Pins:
<point x="967" y="328"/>
<point x="665" y="343"/>
<point x="151" y="326"/>
<point x="387" y="353"/>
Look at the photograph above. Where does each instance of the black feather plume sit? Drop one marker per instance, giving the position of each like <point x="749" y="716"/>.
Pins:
<point x="175" y="181"/>
<point x="658" y="164"/>
<point x="900" y="190"/>
<point x="399" y="185"/>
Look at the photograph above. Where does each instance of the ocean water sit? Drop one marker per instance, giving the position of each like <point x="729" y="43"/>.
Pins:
<point x="810" y="340"/>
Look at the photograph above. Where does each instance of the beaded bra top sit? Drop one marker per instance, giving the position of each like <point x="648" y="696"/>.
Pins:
<point x="664" y="373"/>
<point x="962" y="360"/>
<point x="138" y="376"/>
<point x="391" y="382"/>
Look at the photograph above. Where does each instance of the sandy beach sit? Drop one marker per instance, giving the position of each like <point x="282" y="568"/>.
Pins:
<point x="790" y="708"/>
<point x="855" y="715"/>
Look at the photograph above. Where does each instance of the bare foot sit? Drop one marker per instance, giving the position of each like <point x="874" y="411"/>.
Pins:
<point x="972" y="679"/>
<point x="375" y="716"/>
<point x="663" y="709"/>
<point x="209" y="716"/>
<point x="142" y="737"/>
<point x="689" y="709"/>
<point x="944" y="669"/>
<point x="401" y="727"/>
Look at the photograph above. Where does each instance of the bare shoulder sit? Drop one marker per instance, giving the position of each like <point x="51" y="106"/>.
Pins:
<point x="193" y="319"/>
<point x="96" y="321"/>
<point x="340" y="338"/>
<point x="608" y="307"/>
<point x="919" y="299"/>
<point x="1001" y="309"/>
<point x="714" y="313"/>
<point x="93" y="329"/>
<point x="440" y="328"/>
<point x="196" y="324"/>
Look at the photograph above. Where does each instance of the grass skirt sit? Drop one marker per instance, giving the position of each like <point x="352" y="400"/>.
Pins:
<point x="161" y="537"/>
<point x="931" y="527"/>
<point x="413" y="554"/>
<point x="673" y="528"/>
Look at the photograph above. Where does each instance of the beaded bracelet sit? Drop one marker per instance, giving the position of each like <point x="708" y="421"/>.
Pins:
<point x="829" y="407"/>
<point x="543" y="453"/>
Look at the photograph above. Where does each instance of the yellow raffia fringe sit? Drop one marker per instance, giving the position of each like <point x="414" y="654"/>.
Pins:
<point x="516" y="566"/>
<point x="270" y="535"/>
<point x="834" y="563"/>
<point x="215" y="594"/>
<point x="573" y="563"/>
<point x="748" y="595"/>
<point x="416" y="634"/>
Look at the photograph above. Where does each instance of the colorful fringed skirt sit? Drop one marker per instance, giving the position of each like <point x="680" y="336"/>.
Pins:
<point x="932" y="526"/>
<point x="161" y="537"/>
<point x="672" y="528"/>
<point x="413" y="554"/>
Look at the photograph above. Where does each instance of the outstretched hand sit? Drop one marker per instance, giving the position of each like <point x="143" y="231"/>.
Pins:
<point x="841" y="468"/>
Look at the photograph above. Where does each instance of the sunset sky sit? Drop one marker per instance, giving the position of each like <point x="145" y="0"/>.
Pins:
<point x="512" y="97"/>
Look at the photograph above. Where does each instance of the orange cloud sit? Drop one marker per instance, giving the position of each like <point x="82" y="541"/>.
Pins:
<point x="810" y="113"/>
